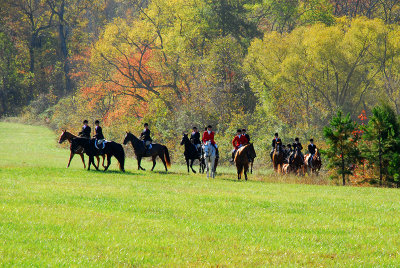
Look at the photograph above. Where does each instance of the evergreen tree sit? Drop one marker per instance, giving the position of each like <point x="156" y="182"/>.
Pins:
<point x="383" y="135"/>
<point x="343" y="152"/>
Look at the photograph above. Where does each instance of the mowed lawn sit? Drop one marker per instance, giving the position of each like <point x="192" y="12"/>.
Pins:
<point x="54" y="216"/>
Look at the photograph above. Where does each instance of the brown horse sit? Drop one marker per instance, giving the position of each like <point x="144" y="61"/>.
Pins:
<point x="277" y="158"/>
<point x="65" y="135"/>
<point x="242" y="159"/>
<point x="316" y="163"/>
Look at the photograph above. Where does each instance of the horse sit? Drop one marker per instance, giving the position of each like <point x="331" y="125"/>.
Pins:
<point x="242" y="159"/>
<point x="210" y="154"/>
<point x="65" y="135"/>
<point x="277" y="158"/>
<point x="297" y="162"/>
<point x="315" y="162"/>
<point x="110" y="149"/>
<point x="140" y="151"/>
<point x="191" y="153"/>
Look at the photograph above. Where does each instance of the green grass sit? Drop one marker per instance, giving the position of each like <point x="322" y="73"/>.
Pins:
<point x="53" y="216"/>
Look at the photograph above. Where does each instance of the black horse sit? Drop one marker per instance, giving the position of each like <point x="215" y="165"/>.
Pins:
<point x="141" y="151"/>
<point x="110" y="149"/>
<point x="191" y="153"/>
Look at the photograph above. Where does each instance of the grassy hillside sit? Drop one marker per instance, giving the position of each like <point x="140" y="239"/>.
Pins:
<point x="50" y="215"/>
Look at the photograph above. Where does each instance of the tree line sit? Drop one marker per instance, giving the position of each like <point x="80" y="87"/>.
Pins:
<point x="266" y="65"/>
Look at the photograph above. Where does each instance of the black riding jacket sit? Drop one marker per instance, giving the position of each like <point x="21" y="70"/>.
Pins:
<point x="247" y="137"/>
<point x="274" y="141"/>
<point x="311" y="148"/>
<point x="297" y="145"/>
<point x="145" y="135"/>
<point x="195" y="138"/>
<point x="99" y="133"/>
<point x="85" y="133"/>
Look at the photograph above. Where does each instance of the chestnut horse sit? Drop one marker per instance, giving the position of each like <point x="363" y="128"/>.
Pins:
<point x="277" y="158"/>
<point x="316" y="163"/>
<point x="65" y="135"/>
<point x="242" y="159"/>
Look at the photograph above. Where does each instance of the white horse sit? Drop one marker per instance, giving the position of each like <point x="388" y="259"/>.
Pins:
<point x="210" y="154"/>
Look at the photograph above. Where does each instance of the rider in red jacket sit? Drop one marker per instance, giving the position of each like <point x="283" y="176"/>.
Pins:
<point x="209" y="135"/>
<point x="238" y="142"/>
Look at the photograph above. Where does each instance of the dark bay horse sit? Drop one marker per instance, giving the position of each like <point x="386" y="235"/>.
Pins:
<point x="110" y="149"/>
<point x="191" y="153"/>
<point x="297" y="162"/>
<point x="242" y="159"/>
<point x="316" y="163"/>
<point x="278" y="158"/>
<point x="140" y="151"/>
<point x="65" y="135"/>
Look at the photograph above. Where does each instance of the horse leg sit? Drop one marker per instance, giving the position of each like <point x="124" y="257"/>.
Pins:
<point x="71" y="155"/>
<point x="191" y="165"/>
<point x="98" y="160"/>
<point x="139" y="160"/>
<point x="163" y="160"/>
<point x="251" y="170"/>
<point x="187" y="164"/>
<point x="246" y="169"/>
<point x="154" y="161"/>
<point x="94" y="164"/>
<point x="83" y="160"/>
<point x="208" y="168"/>
<point x="108" y="162"/>
<point x="104" y="156"/>
<point x="212" y="167"/>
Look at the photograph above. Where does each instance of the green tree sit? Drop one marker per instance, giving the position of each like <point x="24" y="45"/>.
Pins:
<point x="383" y="136"/>
<point x="343" y="152"/>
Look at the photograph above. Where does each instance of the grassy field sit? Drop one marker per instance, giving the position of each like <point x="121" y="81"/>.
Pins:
<point x="53" y="216"/>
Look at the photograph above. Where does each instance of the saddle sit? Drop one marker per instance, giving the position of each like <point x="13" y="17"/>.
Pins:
<point x="100" y="144"/>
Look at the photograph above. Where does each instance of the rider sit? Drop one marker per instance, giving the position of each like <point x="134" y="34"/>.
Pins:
<point x="145" y="136"/>
<point x="311" y="150"/>
<point x="275" y="141"/>
<point x="288" y="153"/>
<point x="238" y="142"/>
<point x="296" y="146"/>
<point x="195" y="138"/>
<point x="99" y="133"/>
<point x="85" y="133"/>
<point x="209" y="136"/>
<point x="246" y="135"/>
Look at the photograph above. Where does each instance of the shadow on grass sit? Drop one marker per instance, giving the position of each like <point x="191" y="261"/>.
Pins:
<point x="130" y="173"/>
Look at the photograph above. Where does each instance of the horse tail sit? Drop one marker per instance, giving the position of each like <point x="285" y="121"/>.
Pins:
<point x="240" y="168"/>
<point x="166" y="155"/>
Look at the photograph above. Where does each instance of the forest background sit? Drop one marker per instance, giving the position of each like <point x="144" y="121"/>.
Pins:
<point x="264" y="65"/>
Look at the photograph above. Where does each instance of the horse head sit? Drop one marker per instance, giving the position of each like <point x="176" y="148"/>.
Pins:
<point x="277" y="149"/>
<point x="317" y="156"/>
<point x="185" y="138"/>
<point x="65" y="135"/>
<point x="128" y="137"/>
<point x="208" y="149"/>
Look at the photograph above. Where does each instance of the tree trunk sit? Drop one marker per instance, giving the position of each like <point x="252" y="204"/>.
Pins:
<point x="63" y="33"/>
<point x="342" y="155"/>
<point x="343" y="175"/>
<point x="380" y="160"/>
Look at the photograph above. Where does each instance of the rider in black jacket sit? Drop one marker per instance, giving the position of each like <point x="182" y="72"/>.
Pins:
<point x="85" y="133"/>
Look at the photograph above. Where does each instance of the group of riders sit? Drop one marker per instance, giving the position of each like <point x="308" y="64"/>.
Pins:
<point x="290" y="150"/>
<point x="241" y="139"/>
